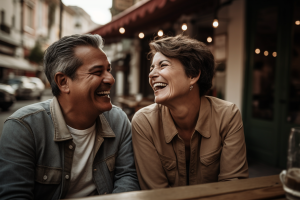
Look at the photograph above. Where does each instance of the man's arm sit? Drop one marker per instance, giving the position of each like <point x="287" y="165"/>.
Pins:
<point x="233" y="163"/>
<point x="125" y="173"/>
<point x="17" y="161"/>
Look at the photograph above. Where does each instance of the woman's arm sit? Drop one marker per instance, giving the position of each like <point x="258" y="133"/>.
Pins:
<point x="150" y="171"/>
<point x="233" y="161"/>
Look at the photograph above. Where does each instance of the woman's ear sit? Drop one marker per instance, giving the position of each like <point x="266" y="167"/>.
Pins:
<point x="195" y="79"/>
<point x="61" y="81"/>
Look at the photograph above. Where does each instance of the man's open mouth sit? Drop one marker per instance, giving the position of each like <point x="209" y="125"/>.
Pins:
<point x="159" y="86"/>
<point x="103" y="93"/>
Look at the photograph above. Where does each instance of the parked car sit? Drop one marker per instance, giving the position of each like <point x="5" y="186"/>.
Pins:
<point x="39" y="84"/>
<point x="24" y="87"/>
<point x="7" y="96"/>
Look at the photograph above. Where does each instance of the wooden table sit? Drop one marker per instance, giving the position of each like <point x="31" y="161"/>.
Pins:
<point x="268" y="187"/>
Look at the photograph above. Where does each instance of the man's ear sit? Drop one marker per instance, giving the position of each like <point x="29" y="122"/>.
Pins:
<point x="195" y="79"/>
<point x="61" y="81"/>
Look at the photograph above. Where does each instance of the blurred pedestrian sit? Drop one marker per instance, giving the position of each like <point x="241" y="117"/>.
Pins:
<point x="186" y="138"/>
<point x="75" y="145"/>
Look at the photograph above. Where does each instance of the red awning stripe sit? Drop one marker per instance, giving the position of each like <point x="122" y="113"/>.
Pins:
<point x="131" y="14"/>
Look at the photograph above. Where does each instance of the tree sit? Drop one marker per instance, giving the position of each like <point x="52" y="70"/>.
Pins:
<point x="36" y="54"/>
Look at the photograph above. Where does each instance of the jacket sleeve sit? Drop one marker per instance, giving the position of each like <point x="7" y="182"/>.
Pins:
<point x="233" y="161"/>
<point x="125" y="178"/>
<point x="17" y="161"/>
<point x="149" y="168"/>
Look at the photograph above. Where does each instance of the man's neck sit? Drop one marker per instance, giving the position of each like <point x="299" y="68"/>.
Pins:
<point x="75" y="116"/>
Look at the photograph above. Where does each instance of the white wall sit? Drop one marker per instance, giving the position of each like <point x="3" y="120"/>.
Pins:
<point x="236" y="53"/>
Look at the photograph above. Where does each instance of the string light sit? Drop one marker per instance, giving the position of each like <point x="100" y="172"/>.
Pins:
<point x="274" y="54"/>
<point x="215" y="23"/>
<point x="184" y="27"/>
<point x="257" y="51"/>
<point x="297" y="22"/>
<point x="209" y="39"/>
<point x="122" y="30"/>
<point x="160" y="33"/>
<point x="266" y="53"/>
<point x="141" y="35"/>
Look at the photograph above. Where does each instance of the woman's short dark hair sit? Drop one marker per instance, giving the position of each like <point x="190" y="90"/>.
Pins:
<point x="194" y="56"/>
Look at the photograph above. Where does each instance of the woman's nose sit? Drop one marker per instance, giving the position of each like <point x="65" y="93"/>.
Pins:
<point x="153" y="73"/>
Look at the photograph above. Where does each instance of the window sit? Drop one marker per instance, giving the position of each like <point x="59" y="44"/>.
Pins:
<point x="29" y="20"/>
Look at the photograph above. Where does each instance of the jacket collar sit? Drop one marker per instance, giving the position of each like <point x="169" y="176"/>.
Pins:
<point x="202" y="126"/>
<point x="61" y="131"/>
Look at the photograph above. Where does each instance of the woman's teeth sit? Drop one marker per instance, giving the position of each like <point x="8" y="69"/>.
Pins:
<point x="158" y="86"/>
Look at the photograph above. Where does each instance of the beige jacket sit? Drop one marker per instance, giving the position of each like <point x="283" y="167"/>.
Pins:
<point x="218" y="150"/>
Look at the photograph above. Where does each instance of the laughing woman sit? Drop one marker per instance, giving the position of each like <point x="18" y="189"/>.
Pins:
<point x="185" y="137"/>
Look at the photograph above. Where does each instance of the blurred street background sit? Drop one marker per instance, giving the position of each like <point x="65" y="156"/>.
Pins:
<point x="256" y="45"/>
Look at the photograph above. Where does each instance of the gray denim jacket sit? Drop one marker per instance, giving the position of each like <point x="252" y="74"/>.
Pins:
<point x="36" y="152"/>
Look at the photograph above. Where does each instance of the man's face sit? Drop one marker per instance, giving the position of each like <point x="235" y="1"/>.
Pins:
<point x="91" y="87"/>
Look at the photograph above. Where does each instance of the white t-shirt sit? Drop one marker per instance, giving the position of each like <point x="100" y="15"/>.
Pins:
<point x="81" y="183"/>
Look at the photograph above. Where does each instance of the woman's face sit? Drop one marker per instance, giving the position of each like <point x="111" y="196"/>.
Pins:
<point x="168" y="79"/>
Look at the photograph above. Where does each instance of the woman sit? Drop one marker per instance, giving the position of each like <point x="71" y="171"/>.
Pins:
<point x="186" y="138"/>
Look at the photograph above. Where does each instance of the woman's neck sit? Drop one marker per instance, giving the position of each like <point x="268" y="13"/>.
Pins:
<point x="185" y="114"/>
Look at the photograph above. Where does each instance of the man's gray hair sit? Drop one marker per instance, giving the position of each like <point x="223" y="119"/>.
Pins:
<point x="60" y="57"/>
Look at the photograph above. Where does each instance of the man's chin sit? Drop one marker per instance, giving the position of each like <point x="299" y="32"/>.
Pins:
<point x="105" y="108"/>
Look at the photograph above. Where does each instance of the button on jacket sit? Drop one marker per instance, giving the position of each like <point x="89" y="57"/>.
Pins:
<point x="36" y="152"/>
<point x="217" y="146"/>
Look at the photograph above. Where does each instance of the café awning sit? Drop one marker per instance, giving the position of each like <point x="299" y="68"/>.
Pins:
<point x="147" y="14"/>
<point x="15" y="63"/>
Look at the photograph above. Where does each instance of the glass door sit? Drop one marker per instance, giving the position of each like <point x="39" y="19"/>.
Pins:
<point x="291" y="89"/>
<point x="272" y="78"/>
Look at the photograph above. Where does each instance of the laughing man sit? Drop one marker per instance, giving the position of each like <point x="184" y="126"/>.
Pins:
<point x="76" y="144"/>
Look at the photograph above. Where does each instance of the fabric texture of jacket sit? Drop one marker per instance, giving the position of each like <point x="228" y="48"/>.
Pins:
<point x="36" y="152"/>
<point x="217" y="146"/>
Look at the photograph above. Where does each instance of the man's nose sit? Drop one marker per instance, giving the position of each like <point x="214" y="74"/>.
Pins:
<point x="109" y="79"/>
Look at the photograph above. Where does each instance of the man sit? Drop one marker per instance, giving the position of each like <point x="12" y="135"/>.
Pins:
<point x="76" y="144"/>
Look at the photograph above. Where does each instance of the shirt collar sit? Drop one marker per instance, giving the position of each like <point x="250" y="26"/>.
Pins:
<point x="62" y="133"/>
<point x="202" y="126"/>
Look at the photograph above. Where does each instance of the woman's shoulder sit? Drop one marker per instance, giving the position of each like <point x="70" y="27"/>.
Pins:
<point x="147" y="113"/>
<point x="220" y="104"/>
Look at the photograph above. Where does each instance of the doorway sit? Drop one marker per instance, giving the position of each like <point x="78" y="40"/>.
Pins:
<point x="272" y="78"/>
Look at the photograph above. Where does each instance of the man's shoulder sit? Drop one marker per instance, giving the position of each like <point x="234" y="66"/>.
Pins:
<point x="32" y="109"/>
<point x="115" y="112"/>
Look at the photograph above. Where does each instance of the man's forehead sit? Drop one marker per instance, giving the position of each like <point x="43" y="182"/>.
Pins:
<point x="89" y="51"/>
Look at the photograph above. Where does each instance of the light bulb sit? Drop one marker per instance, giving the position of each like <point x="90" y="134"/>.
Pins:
<point x="184" y="27"/>
<point x="122" y="30"/>
<point x="160" y="33"/>
<point x="141" y="35"/>
<point x="215" y="23"/>
<point x="209" y="39"/>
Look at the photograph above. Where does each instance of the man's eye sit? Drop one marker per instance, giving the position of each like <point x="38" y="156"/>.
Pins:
<point x="109" y="70"/>
<point x="163" y="65"/>
<point x="97" y="73"/>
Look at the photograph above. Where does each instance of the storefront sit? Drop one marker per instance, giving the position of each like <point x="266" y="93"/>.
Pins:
<point x="257" y="50"/>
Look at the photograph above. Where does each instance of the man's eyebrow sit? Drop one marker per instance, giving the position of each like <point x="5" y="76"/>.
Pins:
<point x="160" y="63"/>
<point x="98" y="67"/>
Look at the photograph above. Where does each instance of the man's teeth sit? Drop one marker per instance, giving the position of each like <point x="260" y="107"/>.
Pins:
<point x="104" y="92"/>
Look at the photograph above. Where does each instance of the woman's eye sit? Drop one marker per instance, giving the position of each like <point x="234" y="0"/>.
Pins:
<point x="151" y="69"/>
<point x="163" y="65"/>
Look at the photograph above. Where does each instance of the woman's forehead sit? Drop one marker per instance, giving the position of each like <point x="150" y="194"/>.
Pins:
<point x="158" y="57"/>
